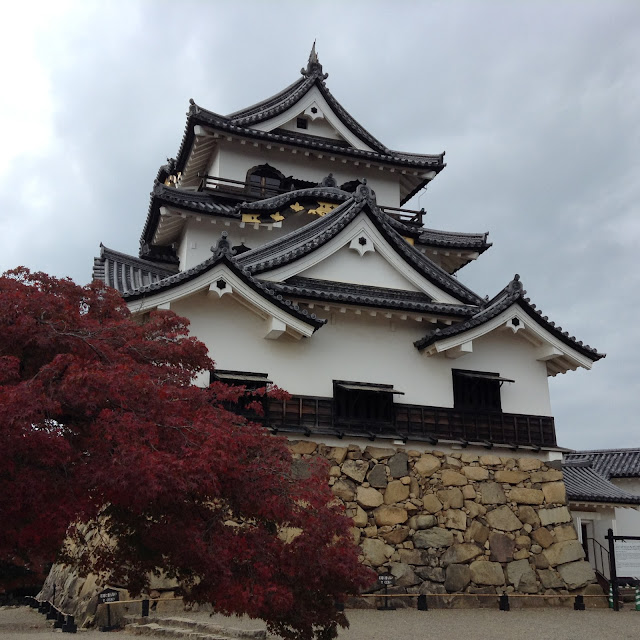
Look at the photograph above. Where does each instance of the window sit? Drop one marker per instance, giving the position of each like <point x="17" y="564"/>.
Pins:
<point x="477" y="390"/>
<point x="363" y="403"/>
<point x="251" y="381"/>
<point x="301" y="123"/>
<point x="264" y="181"/>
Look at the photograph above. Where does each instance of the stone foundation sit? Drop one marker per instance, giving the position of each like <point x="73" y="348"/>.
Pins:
<point x="458" y="522"/>
<point x="439" y="523"/>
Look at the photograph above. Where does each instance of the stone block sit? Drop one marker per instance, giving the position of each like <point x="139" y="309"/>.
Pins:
<point x="490" y="460"/>
<point x="510" y="477"/>
<point x="404" y="575"/>
<point x="460" y="553"/>
<point x="557" y="515"/>
<point x="564" y="552"/>
<point x="523" y="542"/>
<point x="451" y="498"/>
<point x="458" y="577"/>
<point x="553" y="475"/>
<point x="543" y="537"/>
<point x="526" y="496"/>
<point x="554" y="492"/>
<point x="486" y="573"/>
<point x="344" y="489"/>
<point x="474" y="508"/>
<point x="338" y="454"/>
<point x="413" y="556"/>
<point x="398" y="465"/>
<point x="577" y="574"/>
<point x="302" y="447"/>
<point x="422" y="522"/>
<point x="396" y="536"/>
<point x="528" y="515"/>
<point x="396" y="492"/>
<point x="453" y="478"/>
<point x="565" y="532"/>
<point x="375" y="551"/>
<point x="426" y="465"/>
<point x="491" y="493"/>
<point x="551" y="579"/>
<point x="355" y="469"/>
<point x="368" y="497"/>
<point x="475" y="473"/>
<point x="377" y="477"/>
<point x="431" y="503"/>
<point x="521" y="554"/>
<point x="477" y="532"/>
<point x="529" y="464"/>
<point x="501" y="547"/>
<point x="468" y="492"/>
<point x="455" y="519"/>
<point x="359" y="516"/>
<point x="433" y="574"/>
<point x="540" y="561"/>
<point x="388" y="515"/>
<point x="435" y="538"/>
<point x="504" y="519"/>
<point x="522" y="576"/>
<point x="379" y="453"/>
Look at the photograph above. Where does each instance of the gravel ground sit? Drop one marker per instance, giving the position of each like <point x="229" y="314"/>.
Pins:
<point x="408" y="624"/>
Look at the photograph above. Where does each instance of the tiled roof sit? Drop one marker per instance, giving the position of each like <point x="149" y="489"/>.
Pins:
<point x="243" y="123"/>
<point x="362" y="295"/>
<point x="433" y="237"/>
<point x="126" y="273"/>
<point x="311" y="76"/>
<point x="610" y="463"/>
<point x="585" y="484"/>
<point x="196" y="201"/>
<point x="301" y="242"/>
<point x="513" y="293"/>
<point x="199" y="115"/>
<point x="224" y="254"/>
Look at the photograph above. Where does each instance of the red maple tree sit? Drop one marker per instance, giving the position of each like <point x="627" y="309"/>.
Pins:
<point x="100" y="422"/>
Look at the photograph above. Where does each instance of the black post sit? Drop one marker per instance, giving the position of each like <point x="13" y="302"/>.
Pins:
<point x="69" y="626"/>
<point x="145" y="608"/>
<point x="387" y="606"/>
<point x="612" y="570"/>
<point x="578" y="605"/>
<point x="59" y="620"/>
<point x="52" y="614"/>
<point x="504" y="603"/>
<point x="422" y="603"/>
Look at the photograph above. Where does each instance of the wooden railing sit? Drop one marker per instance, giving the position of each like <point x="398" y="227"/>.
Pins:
<point x="311" y="414"/>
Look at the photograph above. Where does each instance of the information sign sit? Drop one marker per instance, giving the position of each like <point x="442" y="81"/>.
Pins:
<point x="627" y="558"/>
<point x="108" y="595"/>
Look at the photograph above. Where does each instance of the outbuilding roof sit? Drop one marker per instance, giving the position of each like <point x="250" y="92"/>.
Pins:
<point x="585" y="484"/>
<point x="610" y="463"/>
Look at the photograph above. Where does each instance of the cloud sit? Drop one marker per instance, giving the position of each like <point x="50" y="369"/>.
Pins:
<point x="535" y="103"/>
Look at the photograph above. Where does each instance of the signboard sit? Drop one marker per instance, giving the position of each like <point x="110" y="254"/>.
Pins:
<point x="386" y="579"/>
<point x="628" y="558"/>
<point x="108" y="595"/>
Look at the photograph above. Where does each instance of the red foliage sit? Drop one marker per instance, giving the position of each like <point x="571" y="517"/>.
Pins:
<point x="99" y="419"/>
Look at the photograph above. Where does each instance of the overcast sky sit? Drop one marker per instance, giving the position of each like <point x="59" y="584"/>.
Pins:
<point x="537" y="105"/>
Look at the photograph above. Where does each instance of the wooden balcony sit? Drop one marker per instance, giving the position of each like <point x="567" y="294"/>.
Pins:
<point x="315" y="415"/>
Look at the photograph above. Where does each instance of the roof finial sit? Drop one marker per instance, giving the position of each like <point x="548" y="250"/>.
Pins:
<point x="314" y="68"/>
<point x="223" y="246"/>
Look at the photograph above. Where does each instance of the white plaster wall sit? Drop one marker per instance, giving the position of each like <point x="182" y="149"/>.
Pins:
<point x="628" y="520"/>
<point x="361" y="348"/>
<point x="347" y="265"/>
<point x="235" y="159"/>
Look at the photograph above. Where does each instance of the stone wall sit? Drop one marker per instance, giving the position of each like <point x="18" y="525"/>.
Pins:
<point x="458" y="522"/>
